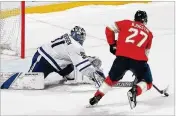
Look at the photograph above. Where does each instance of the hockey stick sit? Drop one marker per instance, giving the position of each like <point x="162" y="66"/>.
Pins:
<point x="162" y="91"/>
<point x="124" y="84"/>
<point x="127" y="83"/>
<point x="131" y="84"/>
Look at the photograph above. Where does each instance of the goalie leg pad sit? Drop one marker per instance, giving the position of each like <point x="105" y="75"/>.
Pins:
<point x="22" y="80"/>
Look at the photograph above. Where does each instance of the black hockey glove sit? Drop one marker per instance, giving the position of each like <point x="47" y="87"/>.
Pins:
<point x="113" y="49"/>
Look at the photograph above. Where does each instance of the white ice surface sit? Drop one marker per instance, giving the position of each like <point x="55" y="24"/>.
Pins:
<point x="71" y="100"/>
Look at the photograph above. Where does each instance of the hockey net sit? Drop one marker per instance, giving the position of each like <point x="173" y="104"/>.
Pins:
<point x="12" y="33"/>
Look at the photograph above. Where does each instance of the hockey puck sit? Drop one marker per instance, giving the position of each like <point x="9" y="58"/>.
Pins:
<point x="166" y="94"/>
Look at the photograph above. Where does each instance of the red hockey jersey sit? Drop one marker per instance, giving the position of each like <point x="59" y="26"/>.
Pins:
<point x="134" y="39"/>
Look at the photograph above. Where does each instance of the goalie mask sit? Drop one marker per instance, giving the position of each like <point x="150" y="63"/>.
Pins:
<point x="78" y="34"/>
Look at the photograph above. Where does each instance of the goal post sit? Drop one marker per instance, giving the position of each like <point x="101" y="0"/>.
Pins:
<point x="22" y="29"/>
<point x="12" y="28"/>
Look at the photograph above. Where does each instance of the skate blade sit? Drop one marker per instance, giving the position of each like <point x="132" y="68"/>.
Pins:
<point x="91" y="106"/>
<point x="132" y="104"/>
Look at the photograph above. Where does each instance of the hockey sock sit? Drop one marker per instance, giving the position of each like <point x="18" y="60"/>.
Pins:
<point x="105" y="87"/>
<point x="142" y="87"/>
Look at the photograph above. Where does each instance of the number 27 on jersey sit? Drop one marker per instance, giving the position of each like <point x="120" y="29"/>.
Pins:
<point x="135" y="32"/>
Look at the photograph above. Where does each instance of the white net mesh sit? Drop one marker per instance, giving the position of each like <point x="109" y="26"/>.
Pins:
<point x="10" y="29"/>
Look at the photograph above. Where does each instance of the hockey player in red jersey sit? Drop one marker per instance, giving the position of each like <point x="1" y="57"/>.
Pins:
<point x="131" y="50"/>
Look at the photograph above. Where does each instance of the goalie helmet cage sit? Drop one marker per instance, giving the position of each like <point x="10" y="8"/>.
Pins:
<point x="12" y="30"/>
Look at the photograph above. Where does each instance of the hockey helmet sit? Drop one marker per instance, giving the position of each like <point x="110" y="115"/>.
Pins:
<point x="141" y="16"/>
<point x="78" y="34"/>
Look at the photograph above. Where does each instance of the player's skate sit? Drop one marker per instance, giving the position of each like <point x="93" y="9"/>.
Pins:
<point x="95" y="100"/>
<point x="132" y="97"/>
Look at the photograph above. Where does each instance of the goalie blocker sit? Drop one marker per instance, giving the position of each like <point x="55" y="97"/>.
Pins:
<point x="32" y="80"/>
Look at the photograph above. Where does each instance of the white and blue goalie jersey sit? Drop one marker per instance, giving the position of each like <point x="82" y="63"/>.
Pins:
<point x="64" y="51"/>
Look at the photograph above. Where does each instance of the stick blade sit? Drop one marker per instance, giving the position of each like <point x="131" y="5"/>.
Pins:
<point x="165" y="91"/>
